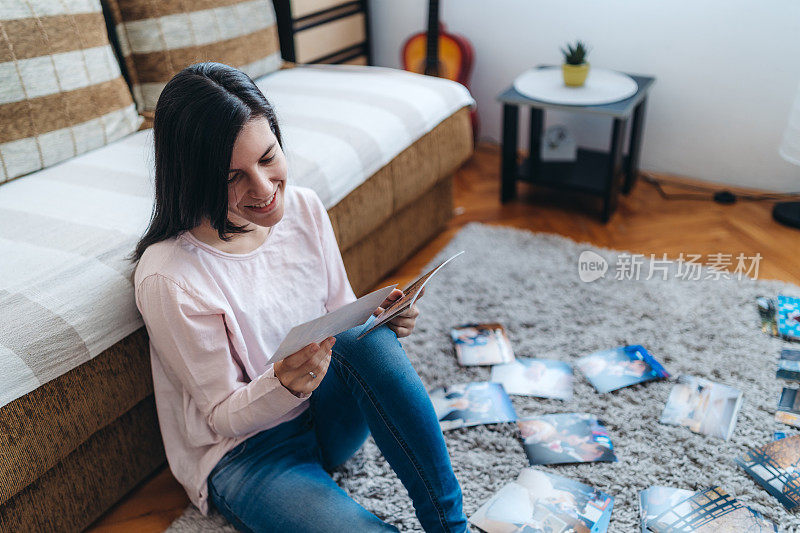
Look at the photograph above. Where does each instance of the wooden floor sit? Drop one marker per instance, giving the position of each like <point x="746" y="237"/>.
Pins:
<point x="644" y="223"/>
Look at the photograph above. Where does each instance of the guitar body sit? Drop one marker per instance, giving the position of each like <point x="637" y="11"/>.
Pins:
<point x="455" y="55"/>
<point x="443" y="54"/>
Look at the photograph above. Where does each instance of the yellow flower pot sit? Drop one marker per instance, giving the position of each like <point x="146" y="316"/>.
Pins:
<point x="575" y="75"/>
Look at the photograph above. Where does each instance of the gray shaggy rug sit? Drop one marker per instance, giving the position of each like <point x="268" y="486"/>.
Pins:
<point x="530" y="283"/>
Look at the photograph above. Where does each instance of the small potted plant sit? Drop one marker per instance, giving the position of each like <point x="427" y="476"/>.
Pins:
<point x="575" y="67"/>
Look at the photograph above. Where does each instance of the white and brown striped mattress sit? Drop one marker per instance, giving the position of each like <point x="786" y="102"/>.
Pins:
<point x="65" y="289"/>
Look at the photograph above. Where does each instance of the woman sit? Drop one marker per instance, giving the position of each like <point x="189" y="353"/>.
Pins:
<point x="233" y="258"/>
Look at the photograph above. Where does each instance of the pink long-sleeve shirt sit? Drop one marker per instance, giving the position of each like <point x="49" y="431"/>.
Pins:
<point x="214" y="318"/>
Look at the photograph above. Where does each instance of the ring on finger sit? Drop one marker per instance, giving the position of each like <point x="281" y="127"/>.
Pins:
<point x="312" y="374"/>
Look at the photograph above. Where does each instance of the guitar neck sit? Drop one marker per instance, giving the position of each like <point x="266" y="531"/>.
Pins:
<point x="432" y="59"/>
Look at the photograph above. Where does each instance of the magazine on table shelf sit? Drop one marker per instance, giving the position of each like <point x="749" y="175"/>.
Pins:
<point x="471" y="404"/>
<point x="710" y="511"/>
<point x="609" y="370"/>
<point x="789" y="407"/>
<point x="703" y="406"/>
<point x="538" y="501"/>
<point x="481" y="344"/>
<point x="789" y="365"/>
<point x="776" y="467"/>
<point x="544" y="378"/>
<point x="656" y="499"/>
<point x="565" y="438"/>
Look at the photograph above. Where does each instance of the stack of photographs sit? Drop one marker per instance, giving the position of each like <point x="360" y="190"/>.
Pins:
<point x="471" y="404"/>
<point x="789" y="365"/>
<point x="613" y="369"/>
<point x="789" y="407"/>
<point x="710" y="511"/>
<point x="655" y="500"/>
<point x="776" y="467"/>
<point x="481" y="344"/>
<point x="703" y="406"/>
<point x="540" y="502"/>
<point x="565" y="438"/>
<point x="545" y="378"/>
<point x="788" y="315"/>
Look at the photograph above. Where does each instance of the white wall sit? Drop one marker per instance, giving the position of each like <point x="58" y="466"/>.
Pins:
<point x="726" y="72"/>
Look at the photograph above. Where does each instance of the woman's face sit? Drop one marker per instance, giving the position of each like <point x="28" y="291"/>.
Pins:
<point x="258" y="171"/>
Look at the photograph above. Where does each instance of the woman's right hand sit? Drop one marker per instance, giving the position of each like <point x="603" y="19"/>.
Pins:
<point x="293" y="371"/>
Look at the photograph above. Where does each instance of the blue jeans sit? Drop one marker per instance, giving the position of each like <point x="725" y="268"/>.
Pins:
<point x="279" y="479"/>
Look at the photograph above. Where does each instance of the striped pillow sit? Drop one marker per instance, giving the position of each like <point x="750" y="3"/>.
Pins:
<point x="61" y="90"/>
<point x="159" y="39"/>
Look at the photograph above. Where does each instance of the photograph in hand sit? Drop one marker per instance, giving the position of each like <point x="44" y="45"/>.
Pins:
<point x="410" y="295"/>
<point x="331" y="324"/>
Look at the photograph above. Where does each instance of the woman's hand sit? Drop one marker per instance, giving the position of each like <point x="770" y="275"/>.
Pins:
<point x="402" y="324"/>
<point x="293" y="371"/>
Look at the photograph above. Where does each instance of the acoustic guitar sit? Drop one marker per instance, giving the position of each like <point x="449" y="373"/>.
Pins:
<point x="440" y="53"/>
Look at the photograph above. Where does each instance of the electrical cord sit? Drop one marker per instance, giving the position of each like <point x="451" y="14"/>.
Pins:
<point x="721" y="196"/>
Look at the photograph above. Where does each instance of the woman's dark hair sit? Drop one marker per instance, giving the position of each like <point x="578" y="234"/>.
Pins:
<point x="198" y="116"/>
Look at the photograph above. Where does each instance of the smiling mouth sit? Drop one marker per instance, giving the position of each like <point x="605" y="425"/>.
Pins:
<point x="267" y="206"/>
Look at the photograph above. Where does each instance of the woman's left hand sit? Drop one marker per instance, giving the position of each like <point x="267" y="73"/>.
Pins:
<point x="402" y="324"/>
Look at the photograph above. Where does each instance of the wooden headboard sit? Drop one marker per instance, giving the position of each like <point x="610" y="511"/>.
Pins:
<point x="324" y="31"/>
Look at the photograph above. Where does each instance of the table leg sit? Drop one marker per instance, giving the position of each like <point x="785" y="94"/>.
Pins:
<point x="634" y="153"/>
<point x="614" y="166"/>
<point x="508" y="164"/>
<point x="535" y="143"/>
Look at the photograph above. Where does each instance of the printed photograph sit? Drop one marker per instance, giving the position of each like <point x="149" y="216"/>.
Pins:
<point x="711" y="511"/>
<point x="410" y="295"/>
<point x="767" y="313"/>
<point x="789" y="317"/>
<point x="776" y="467"/>
<point x="789" y="365"/>
<point x="609" y="370"/>
<point x="655" y="500"/>
<point x="481" y="344"/>
<point x="703" y="406"/>
<point x="544" y="378"/>
<point x="471" y="404"/>
<point x="789" y="407"/>
<point x="565" y="438"/>
<point x="539" y="502"/>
